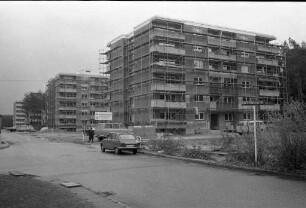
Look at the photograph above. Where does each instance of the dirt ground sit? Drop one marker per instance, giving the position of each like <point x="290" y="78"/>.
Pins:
<point x="25" y="192"/>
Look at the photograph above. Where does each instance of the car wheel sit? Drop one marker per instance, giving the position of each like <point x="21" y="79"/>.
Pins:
<point x="135" y="151"/>
<point x="117" y="151"/>
<point x="102" y="148"/>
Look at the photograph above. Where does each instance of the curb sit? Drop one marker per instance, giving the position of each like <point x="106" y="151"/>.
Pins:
<point x="231" y="167"/>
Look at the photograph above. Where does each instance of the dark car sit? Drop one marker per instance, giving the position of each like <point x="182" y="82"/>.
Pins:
<point x="119" y="141"/>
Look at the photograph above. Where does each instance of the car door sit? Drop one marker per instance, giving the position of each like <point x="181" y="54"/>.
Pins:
<point x="107" y="142"/>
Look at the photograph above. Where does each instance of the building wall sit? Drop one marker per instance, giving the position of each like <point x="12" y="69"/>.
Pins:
<point x="73" y="99"/>
<point x="19" y="117"/>
<point x="177" y="74"/>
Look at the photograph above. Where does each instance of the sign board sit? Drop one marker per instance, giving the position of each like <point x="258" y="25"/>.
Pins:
<point x="104" y="116"/>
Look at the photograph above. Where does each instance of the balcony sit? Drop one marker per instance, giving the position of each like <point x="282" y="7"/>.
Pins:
<point x="221" y="106"/>
<point x="166" y="49"/>
<point x="67" y="90"/>
<point x="67" y="116"/>
<point x="275" y="107"/>
<point x="166" y="33"/>
<point x="66" y="108"/>
<point x="267" y="62"/>
<point x="168" y="87"/>
<point x="221" y="42"/>
<point x="270" y="49"/>
<point x="165" y="104"/>
<point x="274" y="93"/>
<point x="220" y="56"/>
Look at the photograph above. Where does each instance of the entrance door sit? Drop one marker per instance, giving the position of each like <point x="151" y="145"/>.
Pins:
<point x="214" y="122"/>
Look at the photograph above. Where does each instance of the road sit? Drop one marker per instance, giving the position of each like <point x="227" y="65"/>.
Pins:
<point x="142" y="181"/>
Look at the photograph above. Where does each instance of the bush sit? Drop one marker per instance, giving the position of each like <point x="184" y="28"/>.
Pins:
<point x="289" y="148"/>
<point x="168" y="146"/>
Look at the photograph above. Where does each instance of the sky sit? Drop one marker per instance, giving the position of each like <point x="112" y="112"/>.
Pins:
<point x="41" y="39"/>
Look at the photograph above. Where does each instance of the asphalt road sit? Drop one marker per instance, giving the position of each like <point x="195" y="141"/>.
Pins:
<point x="142" y="181"/>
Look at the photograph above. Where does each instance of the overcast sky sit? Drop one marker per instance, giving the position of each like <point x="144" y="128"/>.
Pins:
<point x="41" y="39"/>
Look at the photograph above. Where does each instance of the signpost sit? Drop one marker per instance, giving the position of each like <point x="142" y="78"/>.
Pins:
<point x="254" y="104"/>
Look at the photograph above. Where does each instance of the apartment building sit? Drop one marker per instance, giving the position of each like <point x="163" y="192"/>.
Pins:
<point x="73" y="99"/>
<point x="184" y="77"/>
<point x="19" y="116"/>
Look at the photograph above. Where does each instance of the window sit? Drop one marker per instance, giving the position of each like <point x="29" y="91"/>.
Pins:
<point x="198" y="64"/>
<point x="84" y="104"/>
<point x="246" y="84"/>
<point x="84" y="87"/>
<point x="84" y="113"/>
<point x="246" y="99"/>
<point x="247" y="116"/>
<point x="228" y="116"/>
<point x="199" y="98"/>
<point x="245" y="55"/>
<point x="162" y="115"/>
<point x="197" y="49"/>
<point x="199" y="116"/>
<point x="210" y="50"/>
<point x="244" y="69"/>
<point x="198" y="81"/>
<point x="84" y="96"/>
<point x="228" y="99"/>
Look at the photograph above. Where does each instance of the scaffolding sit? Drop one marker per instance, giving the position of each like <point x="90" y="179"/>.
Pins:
<point x="175" y="75"/>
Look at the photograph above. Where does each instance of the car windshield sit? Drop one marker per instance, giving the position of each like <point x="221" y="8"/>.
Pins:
<point x="127" y="136"/>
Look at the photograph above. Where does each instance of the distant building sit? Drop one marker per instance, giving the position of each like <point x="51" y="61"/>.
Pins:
<point x="182" y="76"/>
<point x="73" y="99"/>
<point x="19" y="116"/>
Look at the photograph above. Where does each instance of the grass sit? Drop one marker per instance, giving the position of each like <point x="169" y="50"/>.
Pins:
<point x="25" y="192"/>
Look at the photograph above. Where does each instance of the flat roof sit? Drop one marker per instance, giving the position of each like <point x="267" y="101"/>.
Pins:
<point x="187" y="22"/>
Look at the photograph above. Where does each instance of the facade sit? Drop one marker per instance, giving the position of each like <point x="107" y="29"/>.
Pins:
<point x="19" y="116"/>
<point x="73" y="99"/>
<point x="183" y="77"/>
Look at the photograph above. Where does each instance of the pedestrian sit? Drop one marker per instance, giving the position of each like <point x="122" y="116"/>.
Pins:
<point x="91" y="135"/>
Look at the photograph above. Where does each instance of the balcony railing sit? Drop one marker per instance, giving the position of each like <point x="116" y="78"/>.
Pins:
<point x="275" y="107"/>
<point x="166" y="104"/>
<point x="166" y="33"/>
<point x="67" y="90"/>
<point x="166" y="49"/>
<point x="267" y="62"/>
<point x="220" y="56"/>
<point x="221" y="42"/>
<point x="168" y="87"/>
<point x="271" y="49"/>
<point x="274" y="93"/>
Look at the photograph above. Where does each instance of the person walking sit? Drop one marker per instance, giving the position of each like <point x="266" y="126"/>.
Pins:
<point x="91" y="135"/>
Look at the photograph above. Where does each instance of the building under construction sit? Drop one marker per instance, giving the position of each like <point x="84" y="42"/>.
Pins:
<point x="186" y="77"/>
<point x="73" y="99"/>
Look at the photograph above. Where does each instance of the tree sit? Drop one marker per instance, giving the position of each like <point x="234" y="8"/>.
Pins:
<point x="34" y="105"/>
<point x="296" y="67"/>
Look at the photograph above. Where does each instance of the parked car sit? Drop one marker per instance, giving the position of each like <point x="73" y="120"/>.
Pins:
<point x="102" y="129"/>
<point x="119" y="141"/>
<point x="248" y="126"/>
